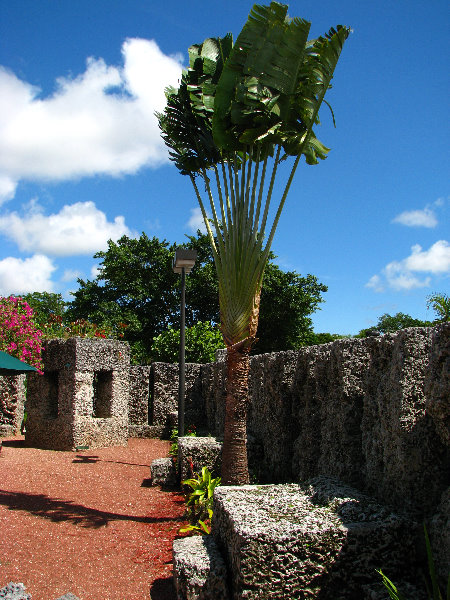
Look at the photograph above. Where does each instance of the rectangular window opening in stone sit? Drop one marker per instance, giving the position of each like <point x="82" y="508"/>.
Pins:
<point x="102" y="404"/>
<point x="52" y="393"/>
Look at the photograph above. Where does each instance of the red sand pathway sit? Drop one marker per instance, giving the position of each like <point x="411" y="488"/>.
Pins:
<point x="86" y="522"/>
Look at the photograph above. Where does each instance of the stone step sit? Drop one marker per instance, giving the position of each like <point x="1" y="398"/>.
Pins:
<point x="197" y="452"/>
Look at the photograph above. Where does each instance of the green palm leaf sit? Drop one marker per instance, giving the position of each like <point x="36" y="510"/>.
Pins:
<point x="253" y="94"/>
<point x="186" y="123"/>
<point x="314" y="80"/>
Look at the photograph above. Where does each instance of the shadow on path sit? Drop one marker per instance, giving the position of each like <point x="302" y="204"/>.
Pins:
<point x="86" y="458"/>
<point x="56" y="510"/>
<point x="14" y="443"/>
<point x="163" y="589"/>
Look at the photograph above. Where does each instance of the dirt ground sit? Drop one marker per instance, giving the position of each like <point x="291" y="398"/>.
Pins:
<point x="87" y="522"/>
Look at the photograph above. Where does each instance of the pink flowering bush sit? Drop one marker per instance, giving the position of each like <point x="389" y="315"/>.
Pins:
<point x="19" y="336"/>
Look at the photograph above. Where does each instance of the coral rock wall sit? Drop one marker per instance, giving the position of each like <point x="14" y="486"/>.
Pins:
<point x="82" y="398"/>
<point x="12" y="398"/>
<point x="374" y="412"/>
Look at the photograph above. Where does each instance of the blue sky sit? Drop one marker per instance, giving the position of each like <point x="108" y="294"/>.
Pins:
<point x="81" y="160"/>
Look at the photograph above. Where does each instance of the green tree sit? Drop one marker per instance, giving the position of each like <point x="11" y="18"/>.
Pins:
<point x="45" y="306"/>
<point x="240" y="108"/>
<point x="51" y="316"/>
<point x="440" y="303"/>
<point x="202" y="341"/>
<point x="135" y="285"/>
<point x="202" y="291"/>
<point x="392" y="323"/>
<point x="287" y="300"/>
<point x="315" y="339"/>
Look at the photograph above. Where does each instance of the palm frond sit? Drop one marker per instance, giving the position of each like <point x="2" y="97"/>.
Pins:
<point x="186" y="123"/>
<point x="253" y="93"/>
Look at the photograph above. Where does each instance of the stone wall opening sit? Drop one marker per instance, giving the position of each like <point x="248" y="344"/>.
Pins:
<point x="102" y="401"/>
<point x="51" y="382"/>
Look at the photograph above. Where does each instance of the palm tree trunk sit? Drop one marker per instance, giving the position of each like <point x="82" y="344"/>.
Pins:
<point x="234" y="453"/>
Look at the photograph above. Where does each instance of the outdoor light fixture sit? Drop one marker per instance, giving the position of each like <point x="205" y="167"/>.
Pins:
<point x="184" y="259"/>
<point x="183" y="262"/>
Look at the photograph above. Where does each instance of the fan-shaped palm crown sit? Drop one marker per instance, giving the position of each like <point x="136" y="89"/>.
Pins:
<point x="237" y="107"/>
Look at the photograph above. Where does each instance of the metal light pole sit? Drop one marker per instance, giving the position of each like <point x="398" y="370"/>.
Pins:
<point x="183" y="262"/>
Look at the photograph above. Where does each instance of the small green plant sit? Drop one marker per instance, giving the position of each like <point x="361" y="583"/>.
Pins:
<point x="173" y="450"/>
<point x="199" y="502"/>
<point x="394" y="593"/>
<point x="433" y="592"/>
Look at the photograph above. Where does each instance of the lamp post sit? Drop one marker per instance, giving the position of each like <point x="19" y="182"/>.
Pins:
<point x="183" y="262"/>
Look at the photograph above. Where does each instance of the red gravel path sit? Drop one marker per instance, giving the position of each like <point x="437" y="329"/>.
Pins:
<point x="86" y="522"/>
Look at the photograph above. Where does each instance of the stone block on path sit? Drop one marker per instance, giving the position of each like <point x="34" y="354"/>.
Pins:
<point x="199" y="570"/>
<point x="164" y="472"/>
<point x="14" y="591"/>
<point x="197" y="452"/>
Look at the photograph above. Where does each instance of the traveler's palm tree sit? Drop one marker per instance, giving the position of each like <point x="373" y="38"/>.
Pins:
<point x="239" y="111"/>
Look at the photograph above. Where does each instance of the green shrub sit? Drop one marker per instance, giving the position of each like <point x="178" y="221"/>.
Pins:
<point x="199" y="502"/>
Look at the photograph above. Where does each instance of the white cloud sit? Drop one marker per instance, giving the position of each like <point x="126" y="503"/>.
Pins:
<point x="425" y="217"/>
<point x="196" y="221"/>
<point x="23" y="276"/>
<point x="101" y="122"/>
<point x="400" y="278"/>
<point x="435" y="260"/>
<point x="95" y="271"/>
<point x="78" y="228"/>
<point x="375" y="283"/>
<point x="71" y="275"/>
<point x="417" y="218"/>
<point x="402" y="275"/>
<point x="7" y="188"/>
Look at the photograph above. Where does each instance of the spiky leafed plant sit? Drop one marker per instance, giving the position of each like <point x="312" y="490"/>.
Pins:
<point x="239" y="111"/>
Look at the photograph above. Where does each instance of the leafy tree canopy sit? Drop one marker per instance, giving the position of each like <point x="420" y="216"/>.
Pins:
<point x="315" y="339"/>
<point x="136" y="285"/>
<point x="45" y="305"/>
<point x="202" y="341"/>
<point x="392" y="323"/>
<point x="287" y="302"/>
